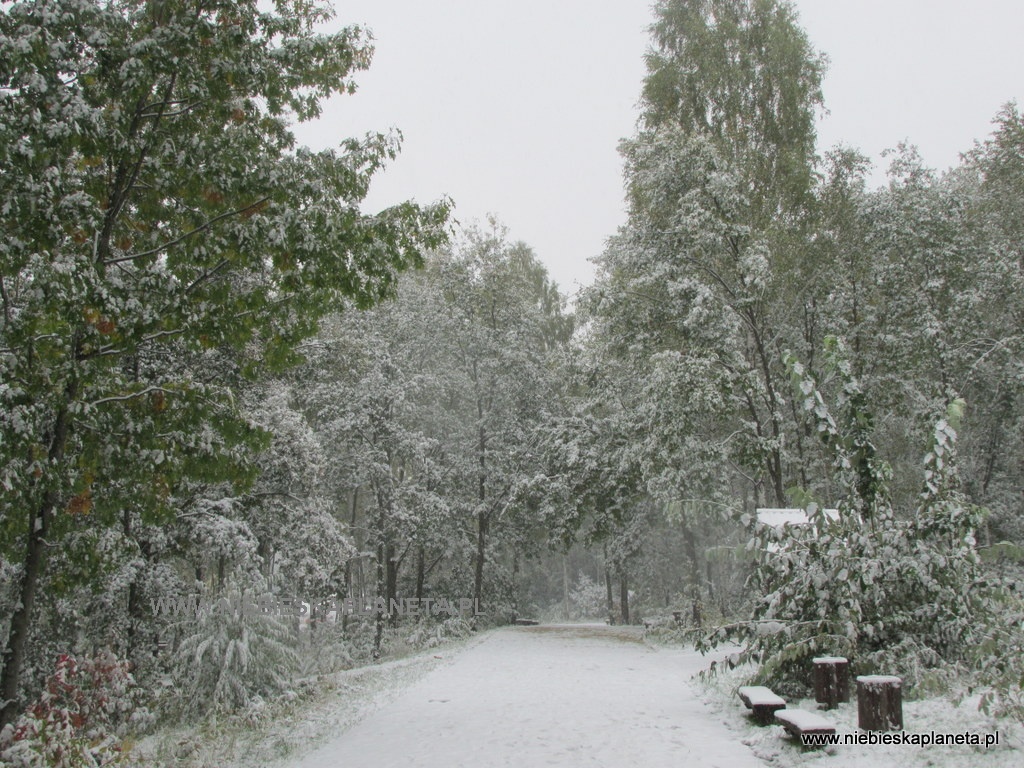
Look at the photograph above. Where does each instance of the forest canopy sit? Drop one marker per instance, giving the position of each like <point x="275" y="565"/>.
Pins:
<point x="222" y="380"/>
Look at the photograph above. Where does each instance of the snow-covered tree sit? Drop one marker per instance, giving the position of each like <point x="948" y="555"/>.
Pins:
<point x="718" y="180"/>
<point x="887" y="591"/>
<point x="375" y="393"/>
<point x="154" y="200"/>
<point x="505" y="320"/>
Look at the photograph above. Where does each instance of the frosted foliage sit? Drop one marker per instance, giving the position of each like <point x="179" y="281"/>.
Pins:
<point x="887" y="593"/>
<point x="588" y="597"/>
<point x="230" y="655"/>
<point x="167" y="247"/>
<point x="79" y="720"/>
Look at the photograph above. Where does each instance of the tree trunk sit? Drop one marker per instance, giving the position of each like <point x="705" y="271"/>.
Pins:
<point x="482" y="520"/>
<point x="139" y="627"/>
<point x="391" y="571"/>
<point x="692" y="554"/>
<point x="609" y="594"/>
<point x="21" y="620"/>
<point x="773" y="462"/>
<point x="481" y="555"/>
<point x="421" y="571"/>
<point x="349" y="576"/>
<point x="623" y="595"/>
<point x="265" y="552"/>
<point x="565" y="585"/>
<point x="381" y="591"/>
<point x="380" y="613"/>
<point x="515" y="583"/>
<point x="35" y="563"/>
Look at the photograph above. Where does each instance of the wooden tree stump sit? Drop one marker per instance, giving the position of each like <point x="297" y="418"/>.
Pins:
<point x="831" y="681"/>
<point x="879" y="703"/>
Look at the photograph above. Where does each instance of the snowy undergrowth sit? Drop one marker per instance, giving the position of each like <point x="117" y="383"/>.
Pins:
<point x="932" y="714"/>
<point x="277" y="732"/>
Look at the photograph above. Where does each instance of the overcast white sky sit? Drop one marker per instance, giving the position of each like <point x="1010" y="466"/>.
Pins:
<point x="516" y="108"/>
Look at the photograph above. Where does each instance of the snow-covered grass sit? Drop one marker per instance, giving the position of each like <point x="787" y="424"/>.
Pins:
<point x="933" y="714"/>
<point x="316" y="710"/>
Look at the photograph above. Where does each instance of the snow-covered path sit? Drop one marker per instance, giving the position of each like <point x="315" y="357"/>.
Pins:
<point x="542" y="696"/>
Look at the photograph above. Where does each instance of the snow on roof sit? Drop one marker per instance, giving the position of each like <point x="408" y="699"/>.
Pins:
<point x="829" y="660"/>
<point x="777" y="518"/>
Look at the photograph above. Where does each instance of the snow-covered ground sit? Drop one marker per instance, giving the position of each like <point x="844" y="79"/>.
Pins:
<point x="322" y="707"/>
<point x="572" y="695"/>
<point x="936" y="715"/>
<point x="559" y="695"/>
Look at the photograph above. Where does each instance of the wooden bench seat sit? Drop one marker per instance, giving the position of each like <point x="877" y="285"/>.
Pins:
<point x="799" y="721"/>
<point x="762" y="703"/>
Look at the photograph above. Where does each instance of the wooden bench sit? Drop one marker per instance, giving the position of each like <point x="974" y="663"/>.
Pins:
<point x="799" y="722"/>
<point x="762" y="703"/>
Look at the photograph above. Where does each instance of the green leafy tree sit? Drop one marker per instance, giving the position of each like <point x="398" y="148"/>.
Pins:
<point x="154" y="199"/>
<point x="695" y="292"/>
<point x="743" y="74"/>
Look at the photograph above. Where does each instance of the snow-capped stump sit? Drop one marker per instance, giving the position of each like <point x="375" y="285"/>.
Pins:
<point x="762" y="702"/>
<point x="831" y="681"/>
<point x="799" y="721"/>
<point x="879" y="703"/>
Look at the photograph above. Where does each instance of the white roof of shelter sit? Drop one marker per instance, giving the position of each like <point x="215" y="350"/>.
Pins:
<point x="777" y="518"/>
